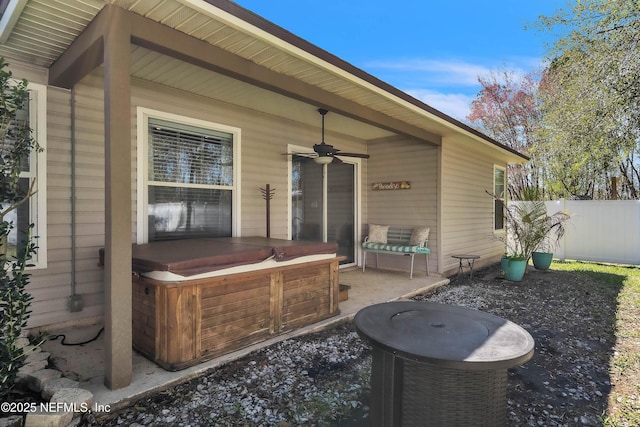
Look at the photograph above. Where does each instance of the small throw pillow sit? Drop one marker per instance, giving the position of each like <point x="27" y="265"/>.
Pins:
<point x="378" y="233"/>
<point x="419" y="236"/>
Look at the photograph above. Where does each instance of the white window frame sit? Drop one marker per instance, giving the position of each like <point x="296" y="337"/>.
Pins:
<point x="38" y="171"/>
<point x="143" y="115"/>
<point x="504" y="198"/>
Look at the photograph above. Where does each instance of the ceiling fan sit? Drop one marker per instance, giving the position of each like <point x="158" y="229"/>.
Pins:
<point x="325" y="153"/>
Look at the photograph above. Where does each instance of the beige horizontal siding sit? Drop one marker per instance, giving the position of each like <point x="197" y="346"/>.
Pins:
<point x="264" y="141"/>
<point x="52" y="287"/>
<point x="466" y="208"/>
<point x="404" y="160"/>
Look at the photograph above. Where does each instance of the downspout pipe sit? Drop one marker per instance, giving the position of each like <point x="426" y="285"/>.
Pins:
<point x="75" y="300"/>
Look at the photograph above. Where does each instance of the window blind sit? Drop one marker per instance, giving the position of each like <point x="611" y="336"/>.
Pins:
<point x="181" y="153"/>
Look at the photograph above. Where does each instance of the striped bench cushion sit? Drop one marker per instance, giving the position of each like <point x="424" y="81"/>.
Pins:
<point x="388" y="247"/>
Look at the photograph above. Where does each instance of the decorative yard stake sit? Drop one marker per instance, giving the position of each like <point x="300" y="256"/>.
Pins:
<point x="267" y="194"/>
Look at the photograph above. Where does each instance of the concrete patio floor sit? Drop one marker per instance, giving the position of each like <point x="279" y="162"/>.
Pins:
<point x="84" y="363"/>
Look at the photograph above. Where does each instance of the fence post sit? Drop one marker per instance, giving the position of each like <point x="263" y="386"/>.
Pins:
<point x="563" y="240"/>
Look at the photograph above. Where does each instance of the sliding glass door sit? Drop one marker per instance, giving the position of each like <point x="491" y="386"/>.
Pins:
<point x="323" y="201"/>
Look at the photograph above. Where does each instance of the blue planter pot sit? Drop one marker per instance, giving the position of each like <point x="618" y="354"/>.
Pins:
<point x="504" y="264"/>
<point x="513" y="269"/>
<point x="542" y="260"/>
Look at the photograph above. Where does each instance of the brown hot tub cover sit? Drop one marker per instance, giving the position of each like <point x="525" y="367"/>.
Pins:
<point x="196" y="256"/>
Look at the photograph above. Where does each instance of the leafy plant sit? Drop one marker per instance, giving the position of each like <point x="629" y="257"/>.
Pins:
<point x="530" y="228"/>
<point x="16" y="144"/>
<point x="14" y="313"/>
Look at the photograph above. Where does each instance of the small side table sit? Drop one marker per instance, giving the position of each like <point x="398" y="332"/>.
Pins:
<point x="471" y="259"/>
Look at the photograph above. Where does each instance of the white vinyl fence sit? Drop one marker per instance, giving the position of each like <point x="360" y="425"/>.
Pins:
<point x="600" y="230"/>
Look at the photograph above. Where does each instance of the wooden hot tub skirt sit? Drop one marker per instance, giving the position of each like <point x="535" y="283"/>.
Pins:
<point x="182" y="323"/>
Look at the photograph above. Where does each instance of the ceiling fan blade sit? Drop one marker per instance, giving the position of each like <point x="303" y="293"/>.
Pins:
<point x="362" y="156"/>
<point x="309" y="155"/>
<point x="336" y="160"/>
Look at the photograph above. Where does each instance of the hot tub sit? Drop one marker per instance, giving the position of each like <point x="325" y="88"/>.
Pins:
<point x="195" y="300"/>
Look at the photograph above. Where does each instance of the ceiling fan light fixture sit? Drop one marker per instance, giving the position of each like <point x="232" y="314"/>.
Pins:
<point x="323" y="160"/>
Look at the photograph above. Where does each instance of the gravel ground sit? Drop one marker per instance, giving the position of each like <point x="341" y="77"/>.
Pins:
<point x="566" y="383"/>
<point x="323" y="379"/>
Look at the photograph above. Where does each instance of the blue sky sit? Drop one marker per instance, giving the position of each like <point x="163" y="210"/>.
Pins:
<point x="431" y="49"/>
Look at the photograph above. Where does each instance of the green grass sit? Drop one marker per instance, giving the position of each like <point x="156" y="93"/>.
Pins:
<point x="624" y="367"/>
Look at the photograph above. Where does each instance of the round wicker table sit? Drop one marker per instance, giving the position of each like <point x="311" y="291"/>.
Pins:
<point x="440" y="365"/>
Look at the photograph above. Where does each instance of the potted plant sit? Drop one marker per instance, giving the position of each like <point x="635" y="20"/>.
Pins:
<point x="541" y="260"/>
<point x="530" y="229"/>
<point x="554" y="227"/>
<point x="513" y="267"/>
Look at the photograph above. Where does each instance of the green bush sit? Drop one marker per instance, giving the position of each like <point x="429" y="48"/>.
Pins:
<point x="16" y="144"/>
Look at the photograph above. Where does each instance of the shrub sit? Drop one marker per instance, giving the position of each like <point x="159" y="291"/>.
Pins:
<point x="16" y="144"/>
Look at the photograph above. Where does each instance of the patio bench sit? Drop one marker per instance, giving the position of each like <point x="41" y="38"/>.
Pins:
<point x="396" y="240"/>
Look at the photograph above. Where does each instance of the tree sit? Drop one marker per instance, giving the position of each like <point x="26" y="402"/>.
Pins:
<point x="506" y="109"/>
<point x="590" y="100"/>
<point x="16" y="144"/>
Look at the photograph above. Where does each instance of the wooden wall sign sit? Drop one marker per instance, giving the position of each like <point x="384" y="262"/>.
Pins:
<point x="396" y="185"/>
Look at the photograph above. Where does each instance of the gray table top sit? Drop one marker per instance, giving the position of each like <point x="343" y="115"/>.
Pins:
<point x="445" y="335"/>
